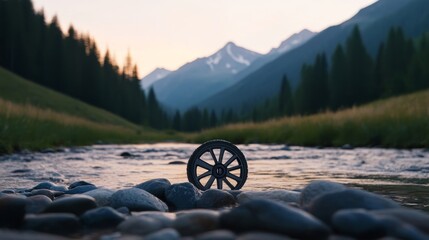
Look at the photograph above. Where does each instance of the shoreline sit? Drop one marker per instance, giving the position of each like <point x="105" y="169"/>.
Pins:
<point x="157" y="209"/>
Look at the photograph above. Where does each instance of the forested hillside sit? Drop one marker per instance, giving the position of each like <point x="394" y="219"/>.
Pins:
<point x="72" y="64"/>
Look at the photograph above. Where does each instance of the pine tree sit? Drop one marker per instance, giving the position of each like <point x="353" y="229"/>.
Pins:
<point x="153" y="110"/>
<point x="285" y="98"/>
<point x="177" y="121"/>
<point x="213" y="119"/>
<point x="397" y="57"/>
<point x="339" y="87"/>
<point x="360" y="69"/>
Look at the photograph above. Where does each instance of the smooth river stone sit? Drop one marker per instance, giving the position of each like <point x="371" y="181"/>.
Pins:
<point x="193" y="222"/>
<point x="81" y="189"/>
<point x="262" y="235"/>
<point x="37" y="204"/>
<point x="168" y="233"/>
<point x="50" y="186"/>
<point x="99" y="218"/>
<point x="400" y="230"/>
<point x="56" y="223"/>
<point x="358" y="223"/>
<point x="20" y="235"/>
<point x="325" y="206"/>
<point x="12" y="211"/>
<point x="214" y="199"/>
<point x="137" y="199"/>
<point x="216" y="235"/>
<point x="182" y="196"/>
<point x="79" y="183"/>
<point x="282" y="196"/>
<point x="155" y="187"/>
<point x="271" y="216"/>
<point x="45" y="192"/>
<point x="318" y="188"/>
<point x="101" y="195"/>
<point x="165" y="218"/>
<point x="416" y="218"/>
<point x="141" y="225"/>
<point x="77" y="204"/>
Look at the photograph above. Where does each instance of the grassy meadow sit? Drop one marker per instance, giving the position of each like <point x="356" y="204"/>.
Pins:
<point x="34" y="117"/>
<point x="401" y="122"/>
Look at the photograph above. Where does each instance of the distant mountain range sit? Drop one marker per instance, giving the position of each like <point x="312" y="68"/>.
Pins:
<point x="195" y="81"/>
<point x="263" y="82"/>
<point x="204" y="77"/>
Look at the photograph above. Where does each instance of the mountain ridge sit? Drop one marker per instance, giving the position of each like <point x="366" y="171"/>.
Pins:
<point x="377" y="19"/>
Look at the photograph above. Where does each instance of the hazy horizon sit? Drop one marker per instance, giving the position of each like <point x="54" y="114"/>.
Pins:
<point x="169" y="34"/>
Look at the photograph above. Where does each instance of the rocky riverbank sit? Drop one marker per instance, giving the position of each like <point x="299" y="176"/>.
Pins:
<point x="157" y="209"/>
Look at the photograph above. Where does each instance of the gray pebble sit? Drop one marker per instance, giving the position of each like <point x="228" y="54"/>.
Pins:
<point x="271" y="216"/>
<point x="216" y="235"/>
<point x="101" y="195"/>
<point x="164" y="234"/>
<point x="318" y="188"/>
<point x="45" y="192"/>
<point x="358" y="223"/>
<point x="214" y="199"/>
<point x="282" y="196"/>
<point x="397" y="229"/>
<point x="56" y="223"/>
<point x="325" y="206"/>
<point x="37" y="204"/>
<point x="79" y="183"/>
<point x="182" y="196"/>
<point x="136" y="199"/>
<point x="12" y="211"/>
<point x="77" y="205"/>
<point x="155" y="187"/>
<point x="262" y="235"/>
<point x="81" y="189"/>
<point x="20" y="235"/>
<point x="416" y="218"/>
<point x="99" y="218"/>
<point x="140" y="225"/>
<point x="193" y="222"/>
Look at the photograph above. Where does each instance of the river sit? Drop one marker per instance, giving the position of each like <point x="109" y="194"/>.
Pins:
<point x="388" y="171"/>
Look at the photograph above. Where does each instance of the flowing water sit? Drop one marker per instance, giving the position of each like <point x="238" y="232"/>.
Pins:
<point x="401" y="174"/>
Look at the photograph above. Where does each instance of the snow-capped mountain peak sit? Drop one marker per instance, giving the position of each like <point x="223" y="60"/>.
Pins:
<point x="231" y="58"/>
<point x="154" y="76"/>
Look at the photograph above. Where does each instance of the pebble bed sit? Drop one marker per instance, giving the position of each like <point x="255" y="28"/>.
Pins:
<point x="157" y="209"/>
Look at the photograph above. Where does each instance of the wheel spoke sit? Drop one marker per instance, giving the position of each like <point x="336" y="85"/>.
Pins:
<point x="238" y="179"/>
<point x="213" y="155"/>
<point x="228" y="183"/>
<point x="222" y="151"/>
<point x="203" y="164"/>
<point x="209" y="183"/>
<point x="219" y="183"/>
<point x="234" y="168"/>
<point x="230" y="160"/>
<point x="208" y="173"/>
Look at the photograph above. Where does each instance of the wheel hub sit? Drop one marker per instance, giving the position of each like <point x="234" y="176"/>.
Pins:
<point x="219" y="171"/>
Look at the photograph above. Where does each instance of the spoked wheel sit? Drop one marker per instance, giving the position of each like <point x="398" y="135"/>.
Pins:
<point x="218" y="163"/>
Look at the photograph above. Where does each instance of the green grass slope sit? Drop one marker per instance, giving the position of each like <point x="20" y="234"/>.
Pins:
<point x="401" y="122"/>
<point x="34" y="117"/>
<point x="18" y="90"/>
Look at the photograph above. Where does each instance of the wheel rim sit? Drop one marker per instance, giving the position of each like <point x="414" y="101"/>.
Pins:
<point x="220" y="171"/>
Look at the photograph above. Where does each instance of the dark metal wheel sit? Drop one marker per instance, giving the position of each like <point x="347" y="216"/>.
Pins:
<point x="217" y="162"/>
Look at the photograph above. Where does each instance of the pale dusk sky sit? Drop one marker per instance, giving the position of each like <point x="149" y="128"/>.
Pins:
<point x="170" y="33"/>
